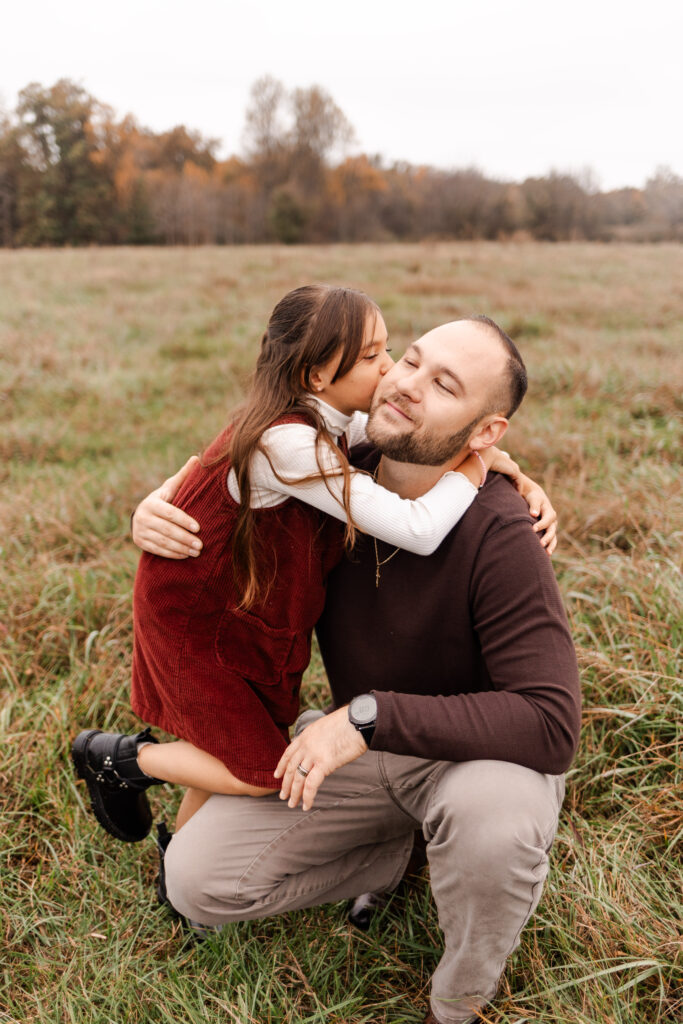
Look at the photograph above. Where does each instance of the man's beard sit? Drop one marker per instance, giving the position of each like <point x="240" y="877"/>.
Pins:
<point x="417" y="446"/>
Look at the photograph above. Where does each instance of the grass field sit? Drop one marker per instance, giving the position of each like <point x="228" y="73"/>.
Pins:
<point x="117" y="364"/>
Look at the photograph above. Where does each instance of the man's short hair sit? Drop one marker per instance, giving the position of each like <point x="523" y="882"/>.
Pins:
<point x="508" y="397"/>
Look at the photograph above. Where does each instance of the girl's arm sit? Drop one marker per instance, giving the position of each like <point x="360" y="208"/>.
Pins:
<point x="535" y="497"/>
<point x="163" y="529"/>
<point x="417" y="525"/>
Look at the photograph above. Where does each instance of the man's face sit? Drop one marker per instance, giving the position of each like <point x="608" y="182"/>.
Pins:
<point x="427" y="406"/>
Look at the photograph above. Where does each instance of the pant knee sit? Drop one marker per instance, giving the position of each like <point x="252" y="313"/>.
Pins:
<point x="195" y="886"/>
<point x="494" y="817"/>
<point x="185" y="880"/>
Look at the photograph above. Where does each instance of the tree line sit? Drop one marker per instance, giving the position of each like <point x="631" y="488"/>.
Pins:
<point x="72" y="174"/>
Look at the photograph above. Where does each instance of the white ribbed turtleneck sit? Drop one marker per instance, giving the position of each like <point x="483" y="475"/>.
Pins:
<point x="417" y="525"/>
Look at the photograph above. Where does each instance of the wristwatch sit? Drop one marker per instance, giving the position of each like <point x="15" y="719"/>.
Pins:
<point x="363" y="715"/>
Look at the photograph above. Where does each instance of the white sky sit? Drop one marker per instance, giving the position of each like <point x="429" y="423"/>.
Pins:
<point x="515" y="88"/>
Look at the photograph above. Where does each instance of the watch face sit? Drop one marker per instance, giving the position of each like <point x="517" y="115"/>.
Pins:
<point x="364" y="709"/>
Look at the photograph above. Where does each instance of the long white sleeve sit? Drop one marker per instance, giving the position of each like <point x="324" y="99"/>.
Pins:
<point x="417" y="525"/>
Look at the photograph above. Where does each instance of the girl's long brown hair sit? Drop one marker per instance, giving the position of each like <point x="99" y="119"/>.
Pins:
<point x="307" y="328"/>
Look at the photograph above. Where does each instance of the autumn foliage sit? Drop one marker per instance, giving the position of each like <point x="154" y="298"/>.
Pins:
<point x="72" y="174"/>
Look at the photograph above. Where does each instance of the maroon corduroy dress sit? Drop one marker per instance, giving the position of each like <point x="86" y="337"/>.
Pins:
<point x="228" y="680"/>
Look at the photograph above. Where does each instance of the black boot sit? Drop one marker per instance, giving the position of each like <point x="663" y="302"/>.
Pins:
<point x="108" y="762"/>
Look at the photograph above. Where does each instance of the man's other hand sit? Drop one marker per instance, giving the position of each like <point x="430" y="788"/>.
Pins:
<point x="162" y="529"/>
<point x="323" y="746"/>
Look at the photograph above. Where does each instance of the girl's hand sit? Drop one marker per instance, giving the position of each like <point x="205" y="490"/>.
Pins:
<point x="534" y="495"/>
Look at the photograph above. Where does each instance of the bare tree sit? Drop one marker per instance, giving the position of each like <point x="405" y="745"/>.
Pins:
<point x="664" y="201"/>
<point x="265" y="135"/>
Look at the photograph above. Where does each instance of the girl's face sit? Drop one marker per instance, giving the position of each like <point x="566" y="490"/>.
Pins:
<point x="353" y="392"/>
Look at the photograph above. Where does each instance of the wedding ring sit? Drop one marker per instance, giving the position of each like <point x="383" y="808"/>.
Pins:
<point x="302" y="771"/>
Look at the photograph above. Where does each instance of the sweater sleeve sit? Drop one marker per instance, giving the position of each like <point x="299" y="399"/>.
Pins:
<point x="417" y="525"/>
<point x="531" y="716"/>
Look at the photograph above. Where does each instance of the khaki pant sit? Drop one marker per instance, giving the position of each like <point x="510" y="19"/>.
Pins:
<point x="489" y="826"/>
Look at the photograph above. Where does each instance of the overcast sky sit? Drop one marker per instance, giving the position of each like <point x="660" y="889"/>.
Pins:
<point x="516" y="88"/>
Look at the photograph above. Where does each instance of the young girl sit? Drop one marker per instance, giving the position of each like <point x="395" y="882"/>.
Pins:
<point x="221" y="643"/>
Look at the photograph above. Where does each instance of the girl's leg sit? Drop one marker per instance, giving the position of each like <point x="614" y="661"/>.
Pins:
<point x="190" y="804"/>
<point x="182" y="763"/>
<point x="119" y="768"/>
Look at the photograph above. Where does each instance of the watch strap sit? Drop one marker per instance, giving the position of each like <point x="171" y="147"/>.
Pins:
<point x="367" y="732"/>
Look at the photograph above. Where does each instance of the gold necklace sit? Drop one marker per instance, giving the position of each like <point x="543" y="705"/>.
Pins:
<point x="384" y="561"/>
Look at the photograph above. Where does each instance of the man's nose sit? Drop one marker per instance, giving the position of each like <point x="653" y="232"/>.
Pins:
<point x="410" y="385"/>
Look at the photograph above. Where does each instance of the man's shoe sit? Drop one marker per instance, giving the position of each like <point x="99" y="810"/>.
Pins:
<point x="364" y="908"/>
<point x="108" y="763"/>
<point x="368" y="904"/>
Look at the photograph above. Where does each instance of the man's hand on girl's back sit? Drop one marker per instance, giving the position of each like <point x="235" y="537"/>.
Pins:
<point x="159" y="527"/>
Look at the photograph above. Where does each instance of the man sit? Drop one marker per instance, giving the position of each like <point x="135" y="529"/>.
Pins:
<point x="456" y="693"/>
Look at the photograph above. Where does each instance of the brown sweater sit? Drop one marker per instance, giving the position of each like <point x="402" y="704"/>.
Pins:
<point x="468" y="650"/>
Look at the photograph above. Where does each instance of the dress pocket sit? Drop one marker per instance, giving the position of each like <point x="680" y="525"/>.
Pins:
<point x="259" y="652"/>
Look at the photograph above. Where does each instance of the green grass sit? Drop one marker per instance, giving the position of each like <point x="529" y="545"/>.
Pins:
<point x="117" y="364"/>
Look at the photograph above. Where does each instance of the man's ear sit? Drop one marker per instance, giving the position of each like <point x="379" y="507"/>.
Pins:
<point x="489" y="432"/>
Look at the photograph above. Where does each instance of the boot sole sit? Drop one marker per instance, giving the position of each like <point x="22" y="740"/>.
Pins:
<point x="78" y="757"/>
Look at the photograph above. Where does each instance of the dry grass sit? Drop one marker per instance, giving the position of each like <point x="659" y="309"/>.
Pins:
<point x="114" y="365"/>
